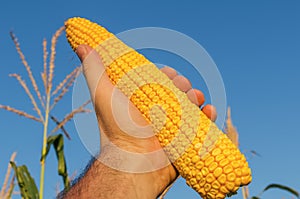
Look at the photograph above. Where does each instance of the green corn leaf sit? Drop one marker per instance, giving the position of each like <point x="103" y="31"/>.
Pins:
<point x="282" y="187"/>
<point x="57" y="141"/>
<point x="278" y="186"/>
<point x="26" y="183"/>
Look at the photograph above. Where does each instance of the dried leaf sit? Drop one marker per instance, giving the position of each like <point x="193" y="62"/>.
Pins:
<point x="11" y="187"/>
<point x="8" y="171"/>
<point x="231" y="130"/>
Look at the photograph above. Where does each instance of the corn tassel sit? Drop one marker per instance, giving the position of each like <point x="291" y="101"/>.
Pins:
<point x="211" y="164"/>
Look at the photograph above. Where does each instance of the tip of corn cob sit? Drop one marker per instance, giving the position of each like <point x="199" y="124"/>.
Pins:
<point x="90" y="36"/>
<point x="203" y="155"/>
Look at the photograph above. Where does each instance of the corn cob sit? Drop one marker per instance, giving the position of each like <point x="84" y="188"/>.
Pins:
<point x="211" y="164"/>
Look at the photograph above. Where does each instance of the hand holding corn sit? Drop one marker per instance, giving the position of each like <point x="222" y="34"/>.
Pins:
<point x="202" y="154"/>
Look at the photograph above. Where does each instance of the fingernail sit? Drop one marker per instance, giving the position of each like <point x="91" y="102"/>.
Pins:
<point x="81" y="52"/>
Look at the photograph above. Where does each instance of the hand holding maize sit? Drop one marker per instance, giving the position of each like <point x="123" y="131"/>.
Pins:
<point x="211" y="164"/>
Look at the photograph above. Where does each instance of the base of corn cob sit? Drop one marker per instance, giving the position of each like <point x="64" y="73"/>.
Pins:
<point x="203" y="155"/>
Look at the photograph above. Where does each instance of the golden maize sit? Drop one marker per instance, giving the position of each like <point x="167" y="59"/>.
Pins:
<point x="203" y="155"/>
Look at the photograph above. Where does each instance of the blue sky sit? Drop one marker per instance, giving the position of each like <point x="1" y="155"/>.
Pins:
<point x="255" y="45"/>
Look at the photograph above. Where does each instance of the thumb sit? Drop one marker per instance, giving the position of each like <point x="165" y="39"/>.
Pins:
<point x="93" y="69"/>
<point x="111" y="105"/>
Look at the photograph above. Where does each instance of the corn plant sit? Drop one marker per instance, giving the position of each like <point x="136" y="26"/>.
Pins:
<point x="43" y="104"/>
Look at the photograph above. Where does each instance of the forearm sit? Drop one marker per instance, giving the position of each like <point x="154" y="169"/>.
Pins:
<point x="101" y="181"/>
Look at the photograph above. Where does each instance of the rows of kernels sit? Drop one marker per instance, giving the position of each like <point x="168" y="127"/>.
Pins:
<point x="117" y="69"/>
<point x="150" y="103"/>
<point x="81" y="31"/>
<point x="212" y="178"/>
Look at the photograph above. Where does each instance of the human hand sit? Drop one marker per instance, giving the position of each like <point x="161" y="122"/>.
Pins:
<point x="112" y="107"/>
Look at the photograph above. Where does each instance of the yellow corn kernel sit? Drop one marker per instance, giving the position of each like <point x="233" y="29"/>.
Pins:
<point x="201" y="153"/>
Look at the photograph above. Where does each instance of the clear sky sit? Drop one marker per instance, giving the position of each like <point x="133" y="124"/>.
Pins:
<point x="255" y="45"/>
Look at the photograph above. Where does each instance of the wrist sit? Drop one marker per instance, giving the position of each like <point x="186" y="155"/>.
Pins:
<point x="146" y="175"/>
